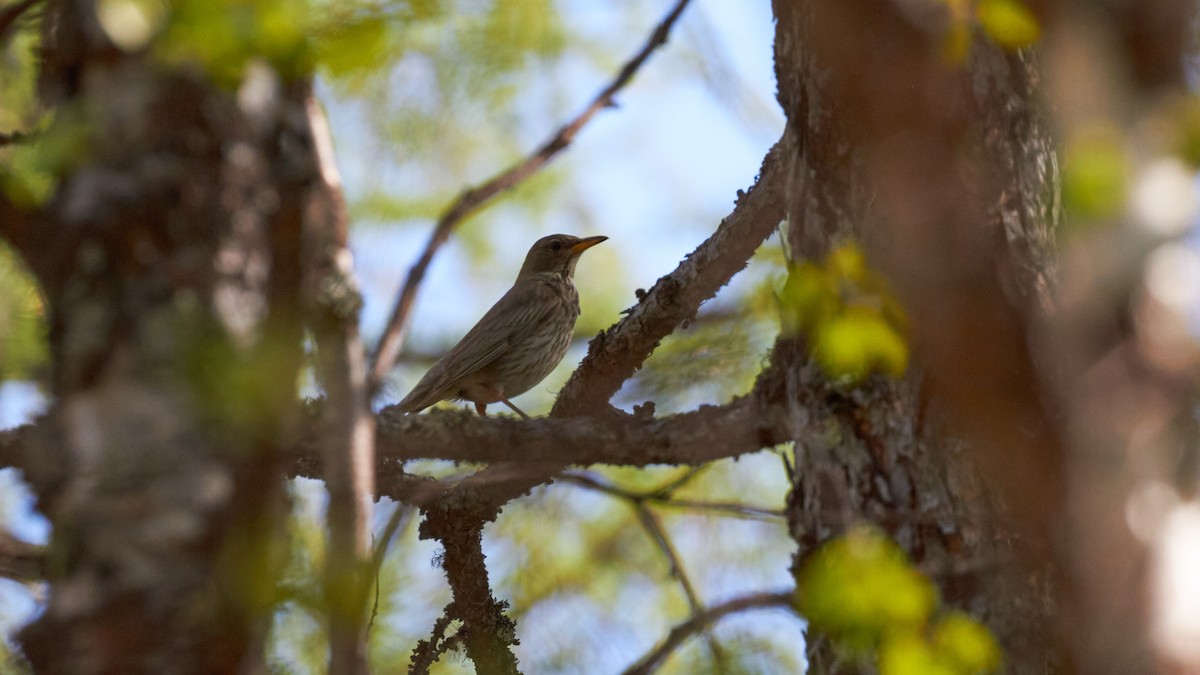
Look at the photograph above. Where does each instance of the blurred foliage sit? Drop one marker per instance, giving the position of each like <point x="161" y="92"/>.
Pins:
<point x="852" y="321"/>
<point x="1179" y="126"/>
<point x="1008" y="23"/>
<point x="296" y="36"/>
<point x="32" y="168"/>
<point x="23" y="349"/>
<point x="718" y="354"/>
<point x="1096" y="174"/>
<point x="862" y="592"/>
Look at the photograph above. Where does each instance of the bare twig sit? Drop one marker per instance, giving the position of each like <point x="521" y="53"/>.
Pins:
<point x="657" y="533"/>
<point x="470" y="200"/>
<point x="654" y="528"/>
<point x="702" y="621"/>
<point x="398" y="520"/>
<point x="592" y="482"/>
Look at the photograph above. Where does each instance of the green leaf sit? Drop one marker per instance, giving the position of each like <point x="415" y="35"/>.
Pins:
<point x="1008" y="23"/>
<point x="353" y="46"/>
<point x="860" y="587"/>
<point x="809" y="297"/>
<point x="23" y="346"/>
<point x="1095" y="174"/>
<point x="857" y="342"/>
<point x="967" y="644"/>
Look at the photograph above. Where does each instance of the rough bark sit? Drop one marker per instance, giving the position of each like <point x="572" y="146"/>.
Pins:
<point x="170" y="260"/>
<point x="940" y="173"/>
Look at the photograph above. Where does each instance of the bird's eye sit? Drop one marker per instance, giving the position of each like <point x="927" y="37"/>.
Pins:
<point x="556" y="246"/>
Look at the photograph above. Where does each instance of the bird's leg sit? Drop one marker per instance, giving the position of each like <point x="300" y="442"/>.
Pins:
<point x="515" y="409"/>
<point x="495" y="391"/>
<point x="481" y="408"/>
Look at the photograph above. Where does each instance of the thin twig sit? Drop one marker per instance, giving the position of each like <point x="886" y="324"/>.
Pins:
<point x="654" y="528"/>
<point x="702" y="621"/>
<point x="399" y="519"/>
<point x="427" y="652"/>
<point x="592" y="482"/>
<point x="470" y="200"/>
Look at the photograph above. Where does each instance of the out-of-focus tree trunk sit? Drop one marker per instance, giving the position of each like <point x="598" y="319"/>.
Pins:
<point x="170" y="256"/>
<point x="941" y="172"/>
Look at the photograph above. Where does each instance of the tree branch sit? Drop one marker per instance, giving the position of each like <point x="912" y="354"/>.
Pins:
<point x="332" y="308"/>
<point x="594" y="482"/>
<point x="20" y="560"/>
<point x="618" y="352"/>
<point x="487" y="633"/>
<point x="703" y="620"/>
<point x="471" y="200"/>
<point x="703" y="435"/>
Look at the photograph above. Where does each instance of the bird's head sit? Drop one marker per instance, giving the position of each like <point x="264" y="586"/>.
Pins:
<point x="556" y="254"/>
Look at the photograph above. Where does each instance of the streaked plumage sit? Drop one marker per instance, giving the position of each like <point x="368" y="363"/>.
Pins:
<point x="519" y="340"/>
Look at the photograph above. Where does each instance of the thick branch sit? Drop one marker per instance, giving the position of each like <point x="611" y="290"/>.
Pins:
<point x="619" y="351"/>
<point x="471" y="200"/>
<point x="706" y="434"/>
<point x="487" y="633"/>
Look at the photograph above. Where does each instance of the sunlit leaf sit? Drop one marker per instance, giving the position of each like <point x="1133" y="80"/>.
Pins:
<point x="1008" y="22"/>
<point x="22" y="321"/>
<point x="857" y="342"/>
<point x="1095" y="174"/>
<point x="860" y="586"/>
<point x="809" y="297"/>
<point x="909" y="654"/>
<point x="967" y="644"/>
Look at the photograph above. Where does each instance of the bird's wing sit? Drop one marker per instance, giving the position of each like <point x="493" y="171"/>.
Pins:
<point x="517" y="313"/>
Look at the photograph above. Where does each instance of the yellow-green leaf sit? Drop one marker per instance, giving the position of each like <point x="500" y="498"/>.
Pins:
<point x="1008" y="22"/>
<point x="909" y="654"/>
<point x="859" y="587"/>
<point x="968" y="645"/>
<point x="353" y="46"/>
<point x="1095" y="175"/>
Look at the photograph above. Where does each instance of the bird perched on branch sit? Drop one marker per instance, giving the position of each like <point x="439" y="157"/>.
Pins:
<point x="520" y="339"/>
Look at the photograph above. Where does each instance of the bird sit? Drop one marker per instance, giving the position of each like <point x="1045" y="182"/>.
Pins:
<point x="518" y="341"/>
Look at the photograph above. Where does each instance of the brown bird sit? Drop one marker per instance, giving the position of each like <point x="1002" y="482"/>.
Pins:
<point x="520" y="339"/>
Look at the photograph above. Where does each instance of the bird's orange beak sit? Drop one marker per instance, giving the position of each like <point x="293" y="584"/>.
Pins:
<point x="584" y="244"/>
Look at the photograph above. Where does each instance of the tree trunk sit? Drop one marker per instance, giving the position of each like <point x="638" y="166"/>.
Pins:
<point x="170" y="259"/>
<point x="941" y="173"/>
